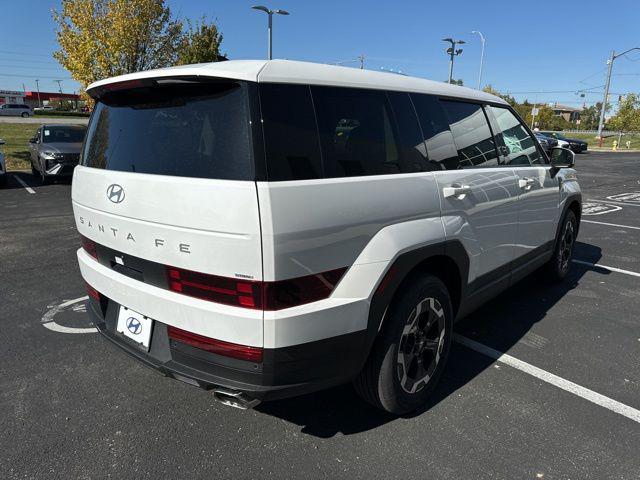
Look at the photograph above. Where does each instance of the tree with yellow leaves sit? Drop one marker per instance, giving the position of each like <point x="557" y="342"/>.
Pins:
<point x="104" y="38"/>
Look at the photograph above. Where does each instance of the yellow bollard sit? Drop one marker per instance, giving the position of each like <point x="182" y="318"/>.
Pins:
<point x="615" y="145"/>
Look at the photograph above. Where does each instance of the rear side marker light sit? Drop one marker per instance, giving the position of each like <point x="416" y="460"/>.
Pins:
<point x="251" y="294"/>
<point x="93" y="293"/>
<point x="233" y="350"/>
<point x="89" y="246"/>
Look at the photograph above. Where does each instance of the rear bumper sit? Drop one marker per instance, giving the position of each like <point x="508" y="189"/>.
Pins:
<point x="284" y="372"/>
<point x="287" y="369"/>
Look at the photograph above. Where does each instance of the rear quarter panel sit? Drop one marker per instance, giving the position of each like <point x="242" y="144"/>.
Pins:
<point x="313" y="226"/>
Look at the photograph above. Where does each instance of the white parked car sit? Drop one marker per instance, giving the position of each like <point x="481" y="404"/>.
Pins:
<point x="264" y="229"/>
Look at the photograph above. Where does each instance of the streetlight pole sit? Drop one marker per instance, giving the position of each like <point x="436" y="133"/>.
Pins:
<point x="482" y="40"/>
<point x="606" y="90"/>
<point x="270" y="13"/>
<point x="452" y="54"/>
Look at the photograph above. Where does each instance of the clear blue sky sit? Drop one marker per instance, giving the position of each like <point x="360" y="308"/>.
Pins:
<point x="549" y="46"/>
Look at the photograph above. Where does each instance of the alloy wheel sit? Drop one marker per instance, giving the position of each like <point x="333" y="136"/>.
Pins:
<point x="566" y="246"/>
<point x="421" y="345"/>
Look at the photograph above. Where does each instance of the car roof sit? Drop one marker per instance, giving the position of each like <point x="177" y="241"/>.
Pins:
<point x="76" y="125"/>
<point x="289" y="71"/>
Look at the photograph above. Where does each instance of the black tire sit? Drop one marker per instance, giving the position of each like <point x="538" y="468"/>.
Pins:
<point x="416" y="332"/>
<point x="34" y="172"/>
<point x="559" y="265"/>
<point x="3" y="179"/>
<point x="24" y="115"/>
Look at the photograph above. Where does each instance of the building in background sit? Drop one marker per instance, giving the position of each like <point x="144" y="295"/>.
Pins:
<point x="46" y="98"/>
<point x="570" y="114"/>
<point x="34" y="99"/>
<point x="10" y="96"/>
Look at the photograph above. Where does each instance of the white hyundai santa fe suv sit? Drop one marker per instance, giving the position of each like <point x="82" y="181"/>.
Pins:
<point x="265" y="229"/>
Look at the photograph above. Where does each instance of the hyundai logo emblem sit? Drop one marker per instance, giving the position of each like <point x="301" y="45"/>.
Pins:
<point x="134" y="325"/>
<point x="115" y="193"/>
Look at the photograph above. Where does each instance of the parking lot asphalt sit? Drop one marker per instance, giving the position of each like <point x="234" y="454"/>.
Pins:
<point x="74" y="406"/>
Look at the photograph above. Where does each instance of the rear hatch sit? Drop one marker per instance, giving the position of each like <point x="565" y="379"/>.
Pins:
<point x="167" y="177"/>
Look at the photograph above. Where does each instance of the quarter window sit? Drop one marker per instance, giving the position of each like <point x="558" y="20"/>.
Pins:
<point x="291" y="137"/>
<point x="514" y="142"/>
<point x="413" y="152"/>
<point x="356" y="132"/>
<point x="471" y="134"/>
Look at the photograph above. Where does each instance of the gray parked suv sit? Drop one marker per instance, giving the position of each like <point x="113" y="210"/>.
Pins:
<point x="55" y="150"/>
<point x="16" y="110"/>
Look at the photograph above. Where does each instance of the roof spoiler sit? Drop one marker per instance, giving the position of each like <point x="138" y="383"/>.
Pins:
<point x="99" y="91"/>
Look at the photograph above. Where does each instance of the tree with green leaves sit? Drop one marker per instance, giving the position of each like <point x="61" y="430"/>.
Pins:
<point x="627" y="118"/>
<point x="200" y="44"/>
<point x="590" y="116"/>
<point x="506" y="97"/>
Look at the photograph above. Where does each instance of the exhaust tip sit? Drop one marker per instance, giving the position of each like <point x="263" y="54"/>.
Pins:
<point x="234" y="399"/>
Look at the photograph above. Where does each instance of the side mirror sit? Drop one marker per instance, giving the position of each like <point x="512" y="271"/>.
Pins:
<point x="33" y="140"/>
<point x="562" y="158"/>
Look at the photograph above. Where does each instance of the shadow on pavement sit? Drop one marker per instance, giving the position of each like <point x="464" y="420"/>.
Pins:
<point x="504" y="320"/>
<point x="31" y="180"/>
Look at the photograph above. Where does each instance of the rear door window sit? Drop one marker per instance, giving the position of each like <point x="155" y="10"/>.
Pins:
<point x="435" y="129"/>
<point x="197" y="129"/>
<point x="471" y="134"/>
<point x="292" y="148"/>
<point x="356" y="132"/>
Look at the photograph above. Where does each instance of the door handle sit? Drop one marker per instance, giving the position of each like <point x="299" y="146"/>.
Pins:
<point x="456" y="190"/>
<point x="526" y="183"/>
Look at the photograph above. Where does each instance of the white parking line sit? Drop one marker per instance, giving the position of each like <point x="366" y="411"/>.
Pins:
<point x="552" y="379"/>
<point x="605" y="267"/>
<point x="610" y="224"/>
<point x="24" y="184"/>
<point x="613" y="201"/>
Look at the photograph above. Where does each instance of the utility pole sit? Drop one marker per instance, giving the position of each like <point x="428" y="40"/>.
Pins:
<point x="603" y="108"/>
<point x="452" y="54"/>
<point x="38" y="88"/>
<point x="482" y="40"/>
<point x="606" y="91"/>
<point x="59" y="82"/>
<point x="270" y="13"/>
<point x="361" y="58"/>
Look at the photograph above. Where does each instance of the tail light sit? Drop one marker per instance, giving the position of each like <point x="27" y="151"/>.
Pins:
<point x="89" y="246"/>
<point x="256" y="295"/>
<point x="233" y="350"/>
<point x="240" y="293"/>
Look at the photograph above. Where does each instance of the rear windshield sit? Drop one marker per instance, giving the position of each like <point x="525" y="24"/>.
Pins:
<point x="181" y="129"/>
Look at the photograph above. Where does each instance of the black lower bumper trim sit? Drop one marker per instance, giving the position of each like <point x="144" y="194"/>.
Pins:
<point x="284" y="372"/>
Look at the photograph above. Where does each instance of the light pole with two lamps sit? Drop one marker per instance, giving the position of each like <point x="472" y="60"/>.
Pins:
<point x="452" y="53"/>
<point x="270" y="13"/>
